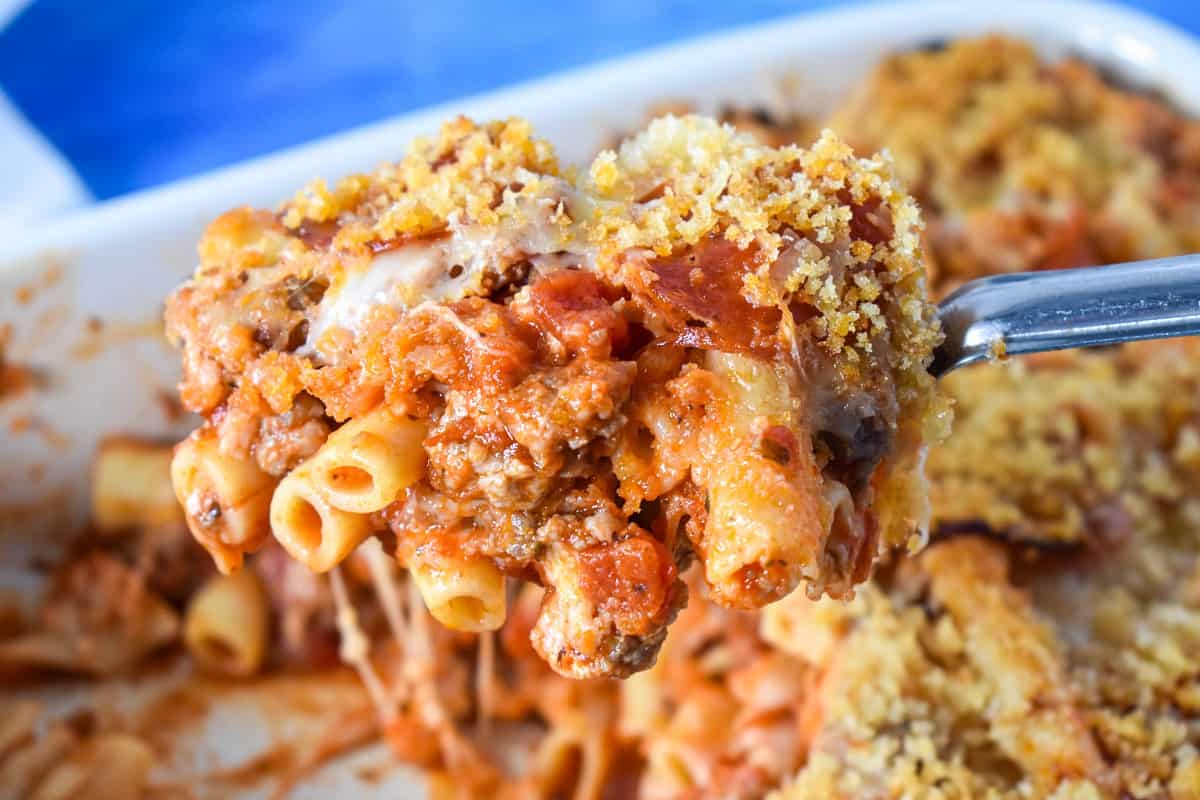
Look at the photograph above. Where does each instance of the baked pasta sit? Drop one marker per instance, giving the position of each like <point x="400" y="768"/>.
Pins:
<point x="1045" y="644"/>
<point x="1020" y="164"/>
<point x="696" y="345"/>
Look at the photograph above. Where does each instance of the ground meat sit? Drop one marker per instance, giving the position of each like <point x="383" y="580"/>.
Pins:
<point x="472" y="345"/>
<point x="506" y="449"/>
<point x="287" y="439"/>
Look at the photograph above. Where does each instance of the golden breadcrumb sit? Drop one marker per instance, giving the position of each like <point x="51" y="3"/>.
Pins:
<point x="955" y="679"/>
<point x="1024" y="165"/>
<point x="1071" y="447"/>
<point x="704" y="176"/>
<point x="476" y="172"/>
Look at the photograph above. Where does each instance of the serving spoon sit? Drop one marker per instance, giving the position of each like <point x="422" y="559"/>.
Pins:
<point x="1033" y="312"/>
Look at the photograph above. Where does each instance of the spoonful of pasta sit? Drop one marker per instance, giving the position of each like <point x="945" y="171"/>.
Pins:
<point x="1033" y="312"/>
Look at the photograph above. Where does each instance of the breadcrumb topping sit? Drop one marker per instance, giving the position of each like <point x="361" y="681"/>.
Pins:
<point x="678" y="182"/>
<point x="684" y="178"/>
<point x="467" y="173"/>
<point x="1022" y="164"/>
<point x="1072" y="447"/>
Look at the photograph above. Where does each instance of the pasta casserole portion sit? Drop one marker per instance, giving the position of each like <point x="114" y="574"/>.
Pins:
<point x="1045" y="643"/>
<point x="697" y="346"/>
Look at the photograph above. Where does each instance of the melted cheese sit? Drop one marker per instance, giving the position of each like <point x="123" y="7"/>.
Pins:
<point x="463" y="264"/>
<point x="389" y="280"/>
<point x="355" y="648"/>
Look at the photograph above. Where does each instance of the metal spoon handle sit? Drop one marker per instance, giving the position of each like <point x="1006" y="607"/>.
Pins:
<point x="1031" y="312"/>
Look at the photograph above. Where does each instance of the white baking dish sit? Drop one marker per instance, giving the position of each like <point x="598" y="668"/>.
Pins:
<point x="115" y="262"/>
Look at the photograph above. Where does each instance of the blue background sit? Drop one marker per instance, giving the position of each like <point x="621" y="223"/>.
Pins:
<point x="137" y="92"/>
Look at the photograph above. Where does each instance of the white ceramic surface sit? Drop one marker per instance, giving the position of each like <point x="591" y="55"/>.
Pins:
<point x="115" y="262"/>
